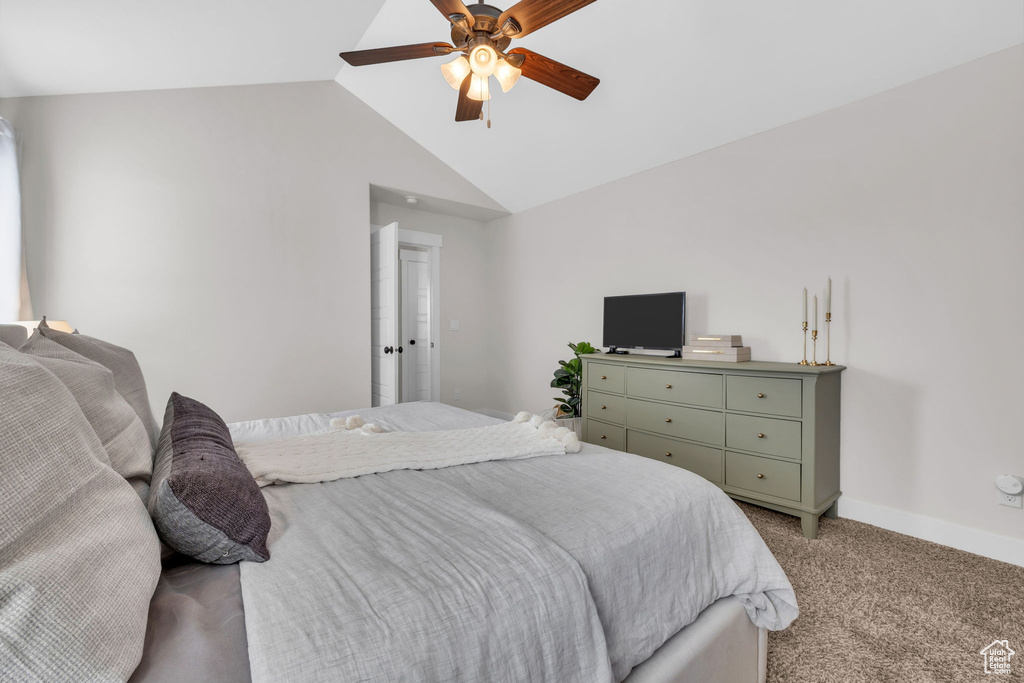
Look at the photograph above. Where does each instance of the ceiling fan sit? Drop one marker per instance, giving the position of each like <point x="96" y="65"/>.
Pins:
<point x="481" y="33"/>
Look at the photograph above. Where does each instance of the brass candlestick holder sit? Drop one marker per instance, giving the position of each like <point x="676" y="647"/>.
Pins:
<point x="828" y="339"/>
<point x="804" y="361"/>
<point x="814" y="348"/>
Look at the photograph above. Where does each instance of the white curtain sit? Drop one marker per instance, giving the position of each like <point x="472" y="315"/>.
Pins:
<point x="12" y="277"/>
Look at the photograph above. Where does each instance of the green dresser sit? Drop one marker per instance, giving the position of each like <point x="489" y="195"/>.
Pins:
<point x="766" y="433"/>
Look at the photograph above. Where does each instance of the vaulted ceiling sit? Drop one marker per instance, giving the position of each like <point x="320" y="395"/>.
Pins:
<point x="677" y="77"/>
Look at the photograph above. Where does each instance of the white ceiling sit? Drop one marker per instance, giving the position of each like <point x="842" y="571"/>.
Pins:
<point x="677" y="77"/>
<point x="56" y="47"/>
<point x="707" y="73"/>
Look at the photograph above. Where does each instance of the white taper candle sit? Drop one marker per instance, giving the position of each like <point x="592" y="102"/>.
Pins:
<point x="828" y="298"/>
<point x="815" y="325"/>
<point x="804" y="319"/>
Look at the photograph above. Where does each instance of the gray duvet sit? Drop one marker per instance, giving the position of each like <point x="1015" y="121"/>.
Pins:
<point x="559" y="568"/>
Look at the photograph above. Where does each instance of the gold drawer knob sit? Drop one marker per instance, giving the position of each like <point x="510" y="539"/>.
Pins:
<point x="760" y="395"/>
<point x="668" y="419"/>
<point x="667" y="454"/>
<point x="668" y="386"/>
<point x="603" y="436"/>
<point x="604" y="407"/>
<point x="760" y="476"/>
<point x="760" y="435"/>
<point x="604" y="376"/>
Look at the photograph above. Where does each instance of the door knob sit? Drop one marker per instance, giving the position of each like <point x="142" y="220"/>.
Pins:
<point x="399" y="349"/>
<point x="760" y="435"/>
<point x="412" y="342"/>
<point x="389" y="349"/>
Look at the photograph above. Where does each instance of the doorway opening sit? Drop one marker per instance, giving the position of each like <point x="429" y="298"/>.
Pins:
<point x="405" y="273"/>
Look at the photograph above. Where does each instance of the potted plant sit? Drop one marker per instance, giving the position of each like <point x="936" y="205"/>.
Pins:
<point x="568" y="377"/>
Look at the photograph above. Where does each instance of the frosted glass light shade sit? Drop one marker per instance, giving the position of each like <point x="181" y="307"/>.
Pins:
<point x="482" y="60"/>
<point x="507" y="75"/>
<point x="456" y="71"/>
<point x="479" y="90"/>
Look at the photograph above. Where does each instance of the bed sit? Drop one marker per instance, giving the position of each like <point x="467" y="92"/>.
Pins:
<point x="615" y="523"/>
<point x="577" y="566"/>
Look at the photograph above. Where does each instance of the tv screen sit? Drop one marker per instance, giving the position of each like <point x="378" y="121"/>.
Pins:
<point x="645" y="321"/>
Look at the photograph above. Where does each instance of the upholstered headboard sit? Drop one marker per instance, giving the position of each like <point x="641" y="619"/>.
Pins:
<point x="13" y="335"/>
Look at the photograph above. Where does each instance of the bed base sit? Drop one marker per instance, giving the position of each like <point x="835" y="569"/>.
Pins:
<point x="721" y="646"/>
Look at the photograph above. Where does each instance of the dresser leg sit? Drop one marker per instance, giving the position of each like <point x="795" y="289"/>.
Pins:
<point x="809" y="522"/>
<point x="833" y="511"/>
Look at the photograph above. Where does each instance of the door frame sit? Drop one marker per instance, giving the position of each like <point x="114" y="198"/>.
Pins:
<point x="432" y="243"/>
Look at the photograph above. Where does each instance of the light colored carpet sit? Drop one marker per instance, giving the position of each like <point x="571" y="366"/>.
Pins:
<point x="879" y="606"/>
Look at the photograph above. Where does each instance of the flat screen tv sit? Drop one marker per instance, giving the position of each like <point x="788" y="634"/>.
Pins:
<point x="645" y="321"/>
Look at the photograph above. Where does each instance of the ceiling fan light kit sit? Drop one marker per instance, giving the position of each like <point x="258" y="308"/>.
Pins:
<point x="481" y="36"/>
<point x="456" y="71"/>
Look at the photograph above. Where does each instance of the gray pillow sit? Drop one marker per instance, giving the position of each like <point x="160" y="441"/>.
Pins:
<point x="79" y="558"/>
<point x="119" y="428"/>
<point x="204" y="501"/>
<point x="128" y="379"/>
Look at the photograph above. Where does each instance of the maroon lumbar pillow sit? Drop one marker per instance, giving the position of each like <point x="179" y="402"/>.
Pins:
<point x="203" y="500"/>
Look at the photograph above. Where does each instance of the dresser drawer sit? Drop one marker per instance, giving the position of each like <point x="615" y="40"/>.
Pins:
<point x="677" y="421"/>
<point x="607" y="407"/>
<point x="763" y="475"/>
<point x="695" y="388"/>
<point x="764" y="395"/>
<point x="763" y="435"/>
<point x="707" y="462"/>
<point x="609" y="436"/>
<point x="606" y="377"/>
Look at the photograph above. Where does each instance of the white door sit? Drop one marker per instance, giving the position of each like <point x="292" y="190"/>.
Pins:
<point x="384" y="340"/>
<point x="414" y="362"/>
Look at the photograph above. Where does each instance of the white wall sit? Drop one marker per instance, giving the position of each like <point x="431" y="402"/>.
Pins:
<point x="464" y="297"/>
<point x="220" y="233"/>
<point x="911" y="200"/>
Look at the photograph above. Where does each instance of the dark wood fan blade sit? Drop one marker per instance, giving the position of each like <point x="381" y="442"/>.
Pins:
<point x="449" y="7"/>
<point x="562" y="78"/>
<point x="536" y="14"/>
<point x="467" y="109"/>
<point x="395" y="54"/>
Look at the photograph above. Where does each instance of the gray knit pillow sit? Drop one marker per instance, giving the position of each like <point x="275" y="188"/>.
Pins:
<point x="204" y="501"/>
<point x="128" y="379"/>
<point x="79" y="558"/>
<point x="116" y="424"/>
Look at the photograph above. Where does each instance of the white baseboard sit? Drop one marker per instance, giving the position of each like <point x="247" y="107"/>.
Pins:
<point x="977" y="541"/>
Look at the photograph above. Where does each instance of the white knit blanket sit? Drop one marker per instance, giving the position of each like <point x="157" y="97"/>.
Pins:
<point x="353" y="451"/>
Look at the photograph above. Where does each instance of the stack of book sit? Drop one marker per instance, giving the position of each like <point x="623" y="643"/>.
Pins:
<point x="725" y="348"/>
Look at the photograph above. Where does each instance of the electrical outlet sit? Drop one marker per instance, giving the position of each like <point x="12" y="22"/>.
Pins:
<point x="1010" y="500"/>
<point x="457" y="395"/>
<point x="453" y="326"/>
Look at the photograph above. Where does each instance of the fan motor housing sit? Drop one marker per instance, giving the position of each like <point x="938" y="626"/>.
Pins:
<point x="485" y="18"/>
